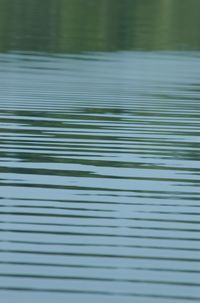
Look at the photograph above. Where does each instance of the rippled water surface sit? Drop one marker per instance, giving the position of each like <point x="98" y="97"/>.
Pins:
<point x="100" y="177"/>
<point x="99" y="152"/>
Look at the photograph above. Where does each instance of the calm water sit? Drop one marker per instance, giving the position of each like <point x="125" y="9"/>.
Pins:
<point x="99" y="154"/>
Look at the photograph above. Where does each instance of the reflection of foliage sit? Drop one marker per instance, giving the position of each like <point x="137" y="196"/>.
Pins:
<point x="89" y="25"/>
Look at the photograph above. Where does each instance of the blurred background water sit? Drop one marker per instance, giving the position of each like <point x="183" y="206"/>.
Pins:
<point x="99" y="151"/>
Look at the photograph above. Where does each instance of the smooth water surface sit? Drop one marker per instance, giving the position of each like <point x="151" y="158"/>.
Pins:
<point x="99" y="172"/>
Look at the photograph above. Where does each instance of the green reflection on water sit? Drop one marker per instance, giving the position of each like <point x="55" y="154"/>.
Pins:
<point x="101" y="25"/>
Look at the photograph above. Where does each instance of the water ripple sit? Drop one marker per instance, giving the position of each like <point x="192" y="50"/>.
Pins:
<point x="99" y="177"/>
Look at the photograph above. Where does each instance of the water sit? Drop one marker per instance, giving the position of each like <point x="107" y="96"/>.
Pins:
<point x="99" y="171"/>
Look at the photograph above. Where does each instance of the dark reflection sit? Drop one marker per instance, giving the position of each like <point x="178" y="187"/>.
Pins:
<point x="107" y="25"/>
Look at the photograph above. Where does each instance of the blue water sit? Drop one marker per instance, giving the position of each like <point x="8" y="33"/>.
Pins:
<point x="99" y="177"/>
